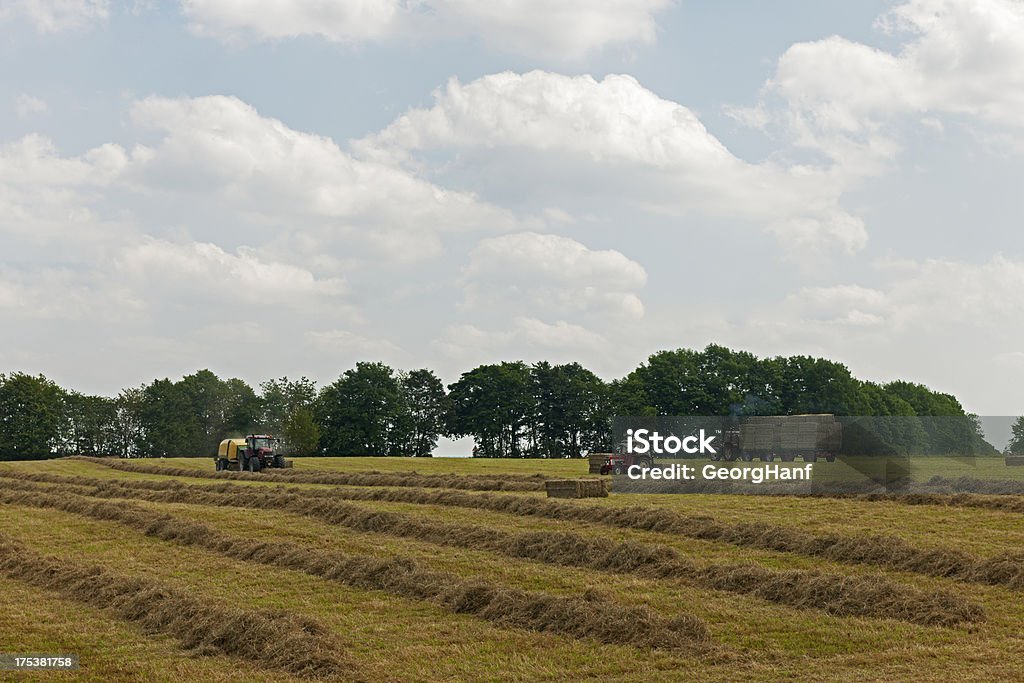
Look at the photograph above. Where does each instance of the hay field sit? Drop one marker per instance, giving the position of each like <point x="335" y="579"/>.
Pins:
<point x="382" y="569"/>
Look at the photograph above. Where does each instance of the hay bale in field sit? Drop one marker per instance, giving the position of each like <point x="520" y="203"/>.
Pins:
<point x="577" y="488"/>
<point x="1012" y="460"/>
<point x="597" y="461"/>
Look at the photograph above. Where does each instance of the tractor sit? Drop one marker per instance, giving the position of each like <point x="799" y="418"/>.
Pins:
<point x="253" y="453"/>
<point x="619" y="463"/>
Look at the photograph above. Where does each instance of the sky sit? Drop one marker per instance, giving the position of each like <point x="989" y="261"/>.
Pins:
<point x="289" y="187"/>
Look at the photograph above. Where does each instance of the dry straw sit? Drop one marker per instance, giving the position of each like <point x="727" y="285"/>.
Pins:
<point x="275" y="639"/>
<point x="585" y="616"/>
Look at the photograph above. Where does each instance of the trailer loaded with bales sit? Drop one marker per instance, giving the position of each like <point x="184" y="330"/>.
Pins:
<point x="786" y="437"/>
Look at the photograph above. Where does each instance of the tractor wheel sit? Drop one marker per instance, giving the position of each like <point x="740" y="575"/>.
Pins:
<point x="747" y="457"/>
<point x="279" y="461"/>
<point x="618" y="470"/>
<point x="716" y="456"/>
<point x="255" y="464"/>
<point x="645" y="463"/>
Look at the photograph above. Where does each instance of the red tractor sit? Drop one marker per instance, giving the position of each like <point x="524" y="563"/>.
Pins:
<point x="619" y="463"/>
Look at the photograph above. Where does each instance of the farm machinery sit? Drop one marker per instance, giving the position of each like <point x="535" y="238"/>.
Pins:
<point x="786" y="437"/>
<point x="253" y="453"/>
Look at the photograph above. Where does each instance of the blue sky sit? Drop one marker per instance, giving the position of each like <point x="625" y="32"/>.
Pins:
<point x="440" y="183"/>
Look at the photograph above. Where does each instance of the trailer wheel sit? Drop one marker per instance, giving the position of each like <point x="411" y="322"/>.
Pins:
<point x="811" y="458"/>
<point x="747" y="457"/>
<point x="830" y="458"/>
<point x="222" y="464"/>
<point x="767" y="457"/>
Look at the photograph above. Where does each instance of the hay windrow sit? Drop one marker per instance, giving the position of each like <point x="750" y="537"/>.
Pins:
<point x="280" y="639"/>
<point x="872" y="596"/>
<point x="472" y="482"/>
<point x="890" y="552"/>
<point x="577" y="617"/>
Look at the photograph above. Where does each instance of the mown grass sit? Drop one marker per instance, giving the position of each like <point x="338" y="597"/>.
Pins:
<point x="395" y="638"/>
<point x="922" y="467"/>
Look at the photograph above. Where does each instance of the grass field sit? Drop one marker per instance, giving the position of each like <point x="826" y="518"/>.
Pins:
<point x="461" y="570"/>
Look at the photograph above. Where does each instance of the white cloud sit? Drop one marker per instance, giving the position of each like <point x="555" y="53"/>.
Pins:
<point x="206" y="269"/>
<point x="960" y="57"/>
<point x="51" y="16"/>
<point x="530" y="271"/>
<point x="44" y="196"/>
<point x="26" y="106"/>
<point x="220" y="148"/>
<point x="569" y="29"/>
<point x="623" y="138"/>
<point x="344" y="341"/>
<point x="523" y="337"/>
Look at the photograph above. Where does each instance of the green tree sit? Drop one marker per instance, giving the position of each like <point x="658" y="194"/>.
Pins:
<point x="128" y="428"/>
<point x="494" y="404"/>
<point x="424" y="411"/>
<point x="30" y="416"/>
<point x="1016" y="445"/>
<point x="280" y="398"/>
<point x="573" y="410"/>
<point x="301" y="433"/>
<point x="191" y="416"/>
<point x="87" y="424"/>
<point x="359" y="413"/>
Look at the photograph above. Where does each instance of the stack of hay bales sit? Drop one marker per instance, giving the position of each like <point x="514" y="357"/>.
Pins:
<point x="597" y="462"/>
<point x="577" y="488"/>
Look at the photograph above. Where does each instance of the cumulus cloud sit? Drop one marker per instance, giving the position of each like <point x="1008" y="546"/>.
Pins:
<point x="568" y="29"/>
<point x="617" y="134"/>
<point x="207" y="269"/>
<point x="46" y="196"/>
<point x="959" y="57"/>
<point x="222" y="148"/>
<point x="523" y="337"/>
<point x="52" y="16"/>
<point x="530" y="272"/>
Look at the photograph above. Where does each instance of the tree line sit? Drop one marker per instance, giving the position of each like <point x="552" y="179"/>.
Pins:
<point x="510" y="409"/>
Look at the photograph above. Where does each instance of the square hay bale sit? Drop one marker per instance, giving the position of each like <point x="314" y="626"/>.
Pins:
<point x="1012" y="460"/>
<point x="577" y="488"/>
<point x="596" y="461"/>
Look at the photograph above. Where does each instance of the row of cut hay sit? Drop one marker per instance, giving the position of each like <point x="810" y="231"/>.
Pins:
<point x="469" y="482"/>
<point x="867" y="596"/>
<point x="277" y="639"/>
<point x="587" y="616"/>
<point x="890" y="552"/>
